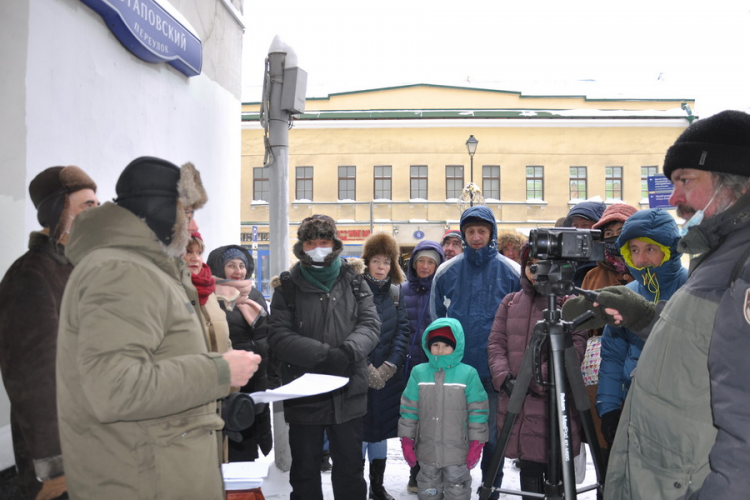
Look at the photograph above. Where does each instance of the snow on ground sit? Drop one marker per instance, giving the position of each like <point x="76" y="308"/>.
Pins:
<point x="276" y="485"/>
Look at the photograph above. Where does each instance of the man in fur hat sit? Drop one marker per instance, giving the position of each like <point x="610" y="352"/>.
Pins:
<point x="31" y="292"/>
<point x="137" y="386"/>
<point x="323" y="320"/>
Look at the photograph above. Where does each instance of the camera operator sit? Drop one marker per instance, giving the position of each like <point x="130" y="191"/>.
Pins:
<point x="684" y="427"/>
<point x="511" y="333"/>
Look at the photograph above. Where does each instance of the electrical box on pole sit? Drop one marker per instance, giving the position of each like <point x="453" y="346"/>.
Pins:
<point x="293" y="91"/>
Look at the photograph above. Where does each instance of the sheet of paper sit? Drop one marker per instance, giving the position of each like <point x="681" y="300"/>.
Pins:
<point x="244" y="475"/>
<point x="308" y="384"/>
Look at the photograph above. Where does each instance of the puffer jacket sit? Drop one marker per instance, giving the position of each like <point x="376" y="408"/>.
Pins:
<point x="417" y="299"/>
<point x="684" y="427"/>
<point x="381" y="421"/>
<point x="511" y="333"/>
<point x="137" y="386"/>
<point x="444" y="406"/>
<point x="470" y="286"/>
<point x="300" y="341"/>
<point x="621" y="348"/>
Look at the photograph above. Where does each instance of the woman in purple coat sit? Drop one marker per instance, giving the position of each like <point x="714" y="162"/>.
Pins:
<point x="511" y="332"/>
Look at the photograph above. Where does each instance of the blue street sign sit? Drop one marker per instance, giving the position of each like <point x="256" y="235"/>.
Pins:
<point x="255" y="233"/>
<point x="659" y="191"/>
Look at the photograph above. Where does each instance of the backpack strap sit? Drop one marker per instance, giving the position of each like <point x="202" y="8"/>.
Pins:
<point x="288" y="289"/>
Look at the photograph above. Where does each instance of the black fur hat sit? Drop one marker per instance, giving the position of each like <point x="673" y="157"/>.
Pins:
<point x="317" y="227"/>
<point x="719" y="143"/>
<point x="383" y="244"/>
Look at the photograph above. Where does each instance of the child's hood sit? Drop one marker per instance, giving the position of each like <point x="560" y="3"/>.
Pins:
<point x="449" y="360"/>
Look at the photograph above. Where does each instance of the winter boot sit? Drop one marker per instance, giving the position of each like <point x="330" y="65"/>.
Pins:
<point x="531" y="484"/>
<point x="377" y="473"/>
<point x="412" y="486"/>
<point x="325" y="462"/>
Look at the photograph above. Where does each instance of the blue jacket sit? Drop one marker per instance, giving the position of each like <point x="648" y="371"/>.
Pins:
<point x="621" y="348"/>
<point x="381" y="420"/>
<point x="417" y="299"/>
<point x="471" y="286"/>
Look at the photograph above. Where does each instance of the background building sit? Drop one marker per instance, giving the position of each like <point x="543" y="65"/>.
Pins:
<point x="395" y="159"/>
<point x="72" y="94"/>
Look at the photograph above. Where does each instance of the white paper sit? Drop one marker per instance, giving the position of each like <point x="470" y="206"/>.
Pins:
<point x="244" y="475"/>
<point x="308" y="384"/>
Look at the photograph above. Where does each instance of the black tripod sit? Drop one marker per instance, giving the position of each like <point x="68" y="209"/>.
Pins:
<point x="553" y="279"/>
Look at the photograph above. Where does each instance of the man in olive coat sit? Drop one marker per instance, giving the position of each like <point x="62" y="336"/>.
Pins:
<point x="31" y="293"/>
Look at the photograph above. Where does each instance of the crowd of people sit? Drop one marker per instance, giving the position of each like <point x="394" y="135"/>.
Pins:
<point x="132" y="380"/>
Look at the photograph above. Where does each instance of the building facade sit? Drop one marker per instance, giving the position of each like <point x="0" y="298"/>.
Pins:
<point x="396" y="160"/>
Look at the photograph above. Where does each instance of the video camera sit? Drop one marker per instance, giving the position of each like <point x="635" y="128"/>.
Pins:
<point x="566" y="243"/>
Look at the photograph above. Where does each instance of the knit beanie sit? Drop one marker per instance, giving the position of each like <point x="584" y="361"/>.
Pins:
<point x="442" y="334"/>
<point x="383" y="244"/>
<point x="159" y="192"/>
<point x="619" y="212"/>
<point x="50" y="188"/>
<point x="233" y="253"/>
<point x="719" y="143"/>
<point x="317" y="227"/>
<point x="427" y="252"/>
<point x="452" y="233"/>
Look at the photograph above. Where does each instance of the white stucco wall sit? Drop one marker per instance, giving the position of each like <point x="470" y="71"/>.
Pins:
<point x="71" y="94"/>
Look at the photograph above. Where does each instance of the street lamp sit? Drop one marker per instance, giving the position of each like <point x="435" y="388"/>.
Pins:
<point x="471" y="147"/>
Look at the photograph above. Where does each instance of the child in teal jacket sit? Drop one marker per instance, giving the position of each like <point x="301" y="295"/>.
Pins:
<point x="444" y="412"/>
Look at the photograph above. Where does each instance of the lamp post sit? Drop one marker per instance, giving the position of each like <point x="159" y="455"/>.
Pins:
<point x="471" y="147"/>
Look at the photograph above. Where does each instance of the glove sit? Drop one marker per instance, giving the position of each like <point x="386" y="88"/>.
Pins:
<point x="407" y="446"/>
<point x="387" y="371"/>
<point x="637" y="312"/>
<point x="374" y="379"/>
<point x="52" y="488"/>
<point x="238" y="413"/>
<point x="475" y="453"/>
<point x="576" y="306"/>
<point x="338" y="361"/>
<point x="509" y="384"/>
<point x="609" y="425"/>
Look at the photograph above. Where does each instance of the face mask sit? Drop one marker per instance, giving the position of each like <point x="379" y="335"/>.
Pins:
<point x="697" y="217"/>
<point x="610" y="245"/>
<point x="319" y="254"/>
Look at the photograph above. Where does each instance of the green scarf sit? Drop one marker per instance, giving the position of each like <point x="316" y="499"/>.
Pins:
<point x="322" y="277"/>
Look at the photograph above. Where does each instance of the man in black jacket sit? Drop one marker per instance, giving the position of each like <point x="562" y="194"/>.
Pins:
<point x="323" y="320"/>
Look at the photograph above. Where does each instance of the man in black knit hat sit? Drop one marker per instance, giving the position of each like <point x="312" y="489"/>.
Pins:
<point x="323" y="320"/>
<point x="31" y="292"/>
<point x="683" y="433"/>
<point x="137" y="386"/>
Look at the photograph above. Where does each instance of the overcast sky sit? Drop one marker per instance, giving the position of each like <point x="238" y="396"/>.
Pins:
<point x="679" y="49"/>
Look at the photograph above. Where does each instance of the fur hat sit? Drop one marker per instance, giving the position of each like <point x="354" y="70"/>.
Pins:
<point x="159" y="192"/>
<point x="441" y="334"/>
<point x="719" y="143"/>
<point x="619" y="212"/>
<point x="49" y="191"/>
<point x="384" y="244"/>
<point x="317" y="227"/>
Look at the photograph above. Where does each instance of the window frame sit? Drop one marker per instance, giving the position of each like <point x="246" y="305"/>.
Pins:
<point x="415" y="178"/>
<point x="486" y="178"/>
<point x="451" y="177"/>
<point x="577" y="179"/>
<point x="644" y="178"/>
<point x="535" y="178"/>
<point x="383" y="179"/>
<point x="610" y="180"/>
<point x="304" y="179"/>
<point x="347" y="178"/>
<point x="264" y="181"/>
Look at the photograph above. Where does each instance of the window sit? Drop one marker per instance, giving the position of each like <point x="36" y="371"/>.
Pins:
<point x="347" y="183"/>
<point x="491" y="181"/>
<point x="534" y="182"/>
<point x="578" y="183"/>
<point x="382" y="182"/>
<point x="260" y="184"/>
<point x="418" y="182"/>
<point x="613" y="183"/>
<point x="304" y="183"/>
<point x="454" y="181"/>
<point x="645" y="173"/>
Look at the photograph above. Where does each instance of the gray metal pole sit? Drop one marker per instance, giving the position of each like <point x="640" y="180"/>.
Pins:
<point x="278" y="224"/>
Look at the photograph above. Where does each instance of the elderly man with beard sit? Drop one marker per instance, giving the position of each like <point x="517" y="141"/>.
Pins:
<point x="683" y="432"/>
<point x="31" y="293"/>
<point x="137" y="385"/>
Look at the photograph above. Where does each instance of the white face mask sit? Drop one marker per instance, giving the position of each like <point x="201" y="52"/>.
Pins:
<point x="319" y="254"/>
<point x="697" y="217"/>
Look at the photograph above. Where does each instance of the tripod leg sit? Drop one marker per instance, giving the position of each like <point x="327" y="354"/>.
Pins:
<point x="557" y="368"/>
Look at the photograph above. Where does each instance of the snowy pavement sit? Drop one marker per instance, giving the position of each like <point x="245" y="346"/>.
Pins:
<point x="276" y="485"/>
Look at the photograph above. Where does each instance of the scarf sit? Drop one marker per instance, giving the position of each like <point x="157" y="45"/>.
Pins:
<point x="322" y="277"/>
<point x="204" y="283"/>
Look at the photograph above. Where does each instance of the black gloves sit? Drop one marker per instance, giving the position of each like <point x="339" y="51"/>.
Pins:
<point x="509" y="384"/>
<point x="637" y="312"/>
<point x="339" y="361"/>
<point x="238" y="413"/>
<point x="609" y="425"/>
